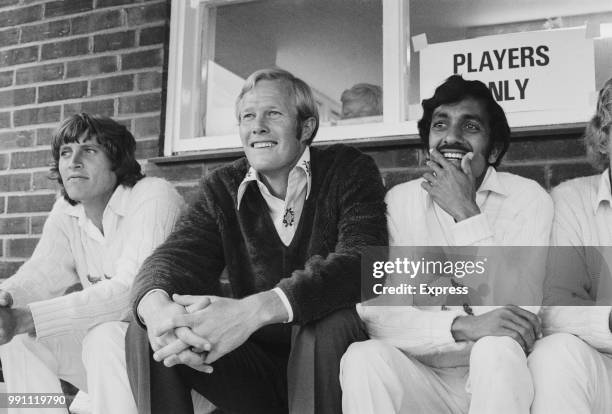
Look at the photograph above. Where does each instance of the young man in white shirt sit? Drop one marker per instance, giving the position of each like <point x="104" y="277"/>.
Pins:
<point x="466" y="362"/>
<point x="108" y="221"/>
<point x="572" y="367"/>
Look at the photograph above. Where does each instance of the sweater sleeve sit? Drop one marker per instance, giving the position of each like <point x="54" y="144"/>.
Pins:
<point x="147" y="224"/>
<point x="191" y="259"/>
<point x="51" y="269"/>
<point x="333" y="282"/>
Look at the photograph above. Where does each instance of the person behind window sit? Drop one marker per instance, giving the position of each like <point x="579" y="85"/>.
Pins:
<point x="363" y="99"/>
<point x="454" y="359"/>
<point x="109" y="219"/>
<point x="572" y="366"/>
<point x="288" y="223"/>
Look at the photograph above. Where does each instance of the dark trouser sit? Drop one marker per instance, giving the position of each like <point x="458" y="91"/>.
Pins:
<point x="261" y="376"/>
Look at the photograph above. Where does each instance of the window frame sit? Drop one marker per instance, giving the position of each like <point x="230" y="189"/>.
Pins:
<point x="185" y="96"/>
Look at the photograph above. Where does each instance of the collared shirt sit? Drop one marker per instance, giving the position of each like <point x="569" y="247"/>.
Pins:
<point x="515" y="211"/>
<point x="583" y="217"/>
<point x="285" y="214"/>
<point x="72" y="249"/>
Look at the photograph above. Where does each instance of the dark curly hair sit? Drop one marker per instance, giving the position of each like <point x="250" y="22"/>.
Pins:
<point x="115" y="139"/>
<point x="456" y="89"/>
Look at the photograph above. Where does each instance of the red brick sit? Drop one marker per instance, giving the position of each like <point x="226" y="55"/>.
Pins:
<point x="383" y="158"/>
<point x="96" y="21"/>
<point x="34" y="116"/>
<point x="5" y="3"/>
<point x="19" y="16"/>
<point x="8" y="269"/>
<point x="21" y="247"/>
<point x="2" y="202"/>
<point x="146" y="59"/>
<point x="114" y="41"/>
<point x="140" y="103"/>
<point x="539" y="148"/>
<point x="62" y="91"/>
<point x="109" y="3"/>
<point x="14" y="225"/>
<point x="153" y="35"/>
<point x="66" y="48"/>
<point x="147" y="14"/>
<point x="564" y="172"/>
<point x="63" y="8"/>
<point x="41" y="181"/>
<point x="31" y="159"/>
<point x="37" y="224"/>
<point x="6" y="78"/>
<point x="5" y="119"/>
<point x="17" y="97"/>
<point x="149" y="81"/>
<point x="30" y="203"/>
<point x="111" y="85"/>
<point x="45" y="31"/>
<point x="44" y="135"/>
<point x="16" y="139"/>
<point x="15" y="182"/>
<point x="394" y="177"/>
<point x="146" y="127"/>
<point x="188" y="192"/>
<point x="18" y="56"/>
<point x="175" y="172"/>
<point x="4" y="163"/>
<point x="102" y="107"/>
<point x="94" y="66"/>
<point x="9" y="37"/>
<point x="147" y="148"/>
<point x="43" y="73"/>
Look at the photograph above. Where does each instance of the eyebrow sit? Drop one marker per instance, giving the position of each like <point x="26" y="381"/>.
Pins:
<point x="469" y="117"/>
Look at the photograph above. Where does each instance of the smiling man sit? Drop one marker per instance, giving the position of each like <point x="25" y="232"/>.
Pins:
<point x="453" y="359"/>
<point x="288" y="224"/>
<point x="108" y="221"/>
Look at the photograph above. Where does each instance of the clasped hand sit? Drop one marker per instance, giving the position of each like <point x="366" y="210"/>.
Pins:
<point x="200" y="330"/>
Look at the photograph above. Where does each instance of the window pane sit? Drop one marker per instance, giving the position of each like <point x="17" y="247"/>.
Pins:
<point x="444" y="21"/>
<point x="333" y="45"/>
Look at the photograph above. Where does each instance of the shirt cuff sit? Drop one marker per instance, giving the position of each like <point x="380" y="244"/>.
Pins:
<point x="144" y="296"/>
<point x="472" y="230"/>
<point x="286" y="303"/>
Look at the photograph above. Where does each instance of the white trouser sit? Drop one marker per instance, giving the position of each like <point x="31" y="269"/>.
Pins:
<point x="93" y="361"/>
<point x="570" y="376"/>
<point x="379" y="378"/>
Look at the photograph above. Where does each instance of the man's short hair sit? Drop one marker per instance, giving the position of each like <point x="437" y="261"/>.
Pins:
<point x="366" y="93"/>
<point x="301" y="93"/>
<point x="597" y="132"/>
<point x="456" y="89"/>
<point x="115" y="139"/>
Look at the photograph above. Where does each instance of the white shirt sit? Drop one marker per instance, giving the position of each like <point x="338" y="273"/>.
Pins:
<point x="583" y="217"/>
<point x="72" y="249"/>
<point x="515" y="211"/>
<point x="285" y="214"/>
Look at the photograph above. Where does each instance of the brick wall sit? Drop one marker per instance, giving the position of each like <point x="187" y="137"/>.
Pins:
<point x="58" y="58"/>
<point x="107" y="56"/>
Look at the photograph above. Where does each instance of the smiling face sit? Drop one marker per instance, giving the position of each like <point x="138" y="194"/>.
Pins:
<point x="267" y="117"/>
<point x="86" y="172"/>
<point x="463" y="127"/>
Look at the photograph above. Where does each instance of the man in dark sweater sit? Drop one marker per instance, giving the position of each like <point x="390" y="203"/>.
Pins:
<point x="287" y="223"/>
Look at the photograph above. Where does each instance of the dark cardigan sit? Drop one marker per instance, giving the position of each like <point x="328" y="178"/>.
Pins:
<point x="319" y="271"/>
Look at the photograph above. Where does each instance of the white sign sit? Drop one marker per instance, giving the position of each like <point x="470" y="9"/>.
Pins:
<point x="529" y="71"/>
